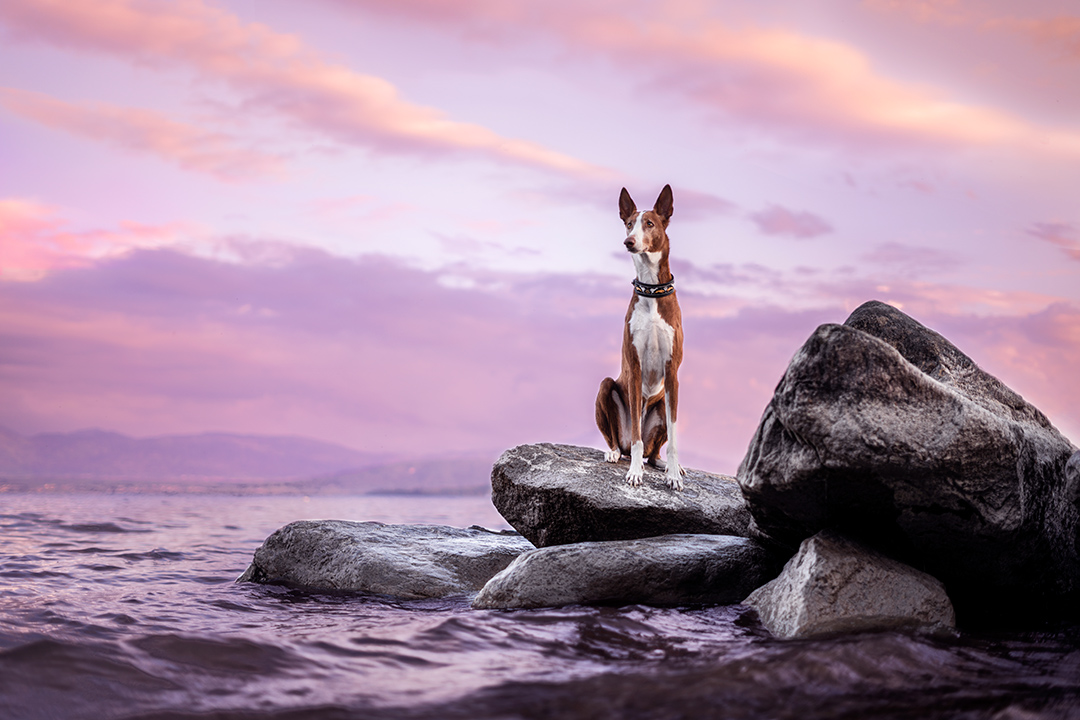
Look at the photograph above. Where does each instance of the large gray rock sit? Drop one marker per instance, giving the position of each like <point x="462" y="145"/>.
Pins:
<point x="884" y="430"/>
<point x="559" y="494"/>
<point x="668" y="570"/>
<point x="834" y="585"/>
<point x="407" y="561"/>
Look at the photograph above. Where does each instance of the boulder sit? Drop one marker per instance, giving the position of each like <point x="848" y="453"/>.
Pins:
<point x="560" y="494"/>
<point x="884" y="430"/>
<point x="834" y="585"/>
<point x="668" y="570"/>
<point x="406" y="561"/>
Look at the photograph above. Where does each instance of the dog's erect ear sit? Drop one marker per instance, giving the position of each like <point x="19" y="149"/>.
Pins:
<point x="664" y="204"/>
<point x="626" y="205"/>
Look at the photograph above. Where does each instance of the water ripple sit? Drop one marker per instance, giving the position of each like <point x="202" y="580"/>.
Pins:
<point x="125" y="607"/>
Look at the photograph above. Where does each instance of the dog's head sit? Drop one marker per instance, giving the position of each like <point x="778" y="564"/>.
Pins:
<point x="646" y="230"/>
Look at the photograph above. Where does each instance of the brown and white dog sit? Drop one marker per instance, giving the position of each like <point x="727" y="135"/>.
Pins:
<point x="636" y="414"/>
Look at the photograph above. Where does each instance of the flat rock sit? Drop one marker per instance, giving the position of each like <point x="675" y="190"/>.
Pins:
<point x="406" y="561"/>
<point x="669" y="570"/>
<point x="884" y="430"/>
<point x="834" y="585"/>
<point x="559" y="494"/>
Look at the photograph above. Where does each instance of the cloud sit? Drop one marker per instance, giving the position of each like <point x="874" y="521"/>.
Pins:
<point x="377" y="355"/>
<point x="945" y="12"/>
<point x="789" y="84"/>
<point x="146" y="131"/>
<point x="724" y="289"/>
<point x="1064" y="235"/>
<point x="1056" y="326"/>
<point x="777" y="220"/>
<point x="1062" y="32"/>
<point x="911" y="260"/>
<point x="370" y="352"/>
<point x="34" y="241"/>
<point x="275" y="72"/>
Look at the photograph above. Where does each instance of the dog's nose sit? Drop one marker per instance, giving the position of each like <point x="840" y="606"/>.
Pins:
<point x="629" y="243"/>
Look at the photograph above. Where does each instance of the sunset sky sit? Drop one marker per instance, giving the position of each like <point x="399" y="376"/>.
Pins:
<point x="392" y="224"/>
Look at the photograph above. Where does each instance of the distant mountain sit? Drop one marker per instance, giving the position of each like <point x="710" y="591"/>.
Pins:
<point x="90" y="454"/>
<point x="100" y="461"/>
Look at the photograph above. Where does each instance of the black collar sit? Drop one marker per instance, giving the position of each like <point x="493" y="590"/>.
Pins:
<point x="654" y="291"/>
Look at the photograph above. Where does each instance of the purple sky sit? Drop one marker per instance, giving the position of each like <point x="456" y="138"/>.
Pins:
<point x="393" y="224"/>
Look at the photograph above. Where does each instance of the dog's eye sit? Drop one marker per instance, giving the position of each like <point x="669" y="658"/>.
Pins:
<point x="648" y="223"/>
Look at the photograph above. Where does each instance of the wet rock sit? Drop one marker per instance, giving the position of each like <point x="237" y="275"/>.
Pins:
<point x="559" y="494"/>
<point x="406" y="561"/>
<point x="884" y="430"/>
<point x="668" y="570"/>
<point x="834" y="585"/>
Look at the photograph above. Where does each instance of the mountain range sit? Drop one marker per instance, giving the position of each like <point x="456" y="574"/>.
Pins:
<point x="108" y="461"/>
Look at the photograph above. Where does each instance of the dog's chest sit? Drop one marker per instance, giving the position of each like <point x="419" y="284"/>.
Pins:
<point x="653" y="338"/>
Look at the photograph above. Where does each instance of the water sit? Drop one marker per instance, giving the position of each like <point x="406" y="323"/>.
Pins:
<point x="125" y="607"/>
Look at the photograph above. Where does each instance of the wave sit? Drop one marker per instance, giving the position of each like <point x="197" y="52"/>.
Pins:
<point x="101" y="625"/>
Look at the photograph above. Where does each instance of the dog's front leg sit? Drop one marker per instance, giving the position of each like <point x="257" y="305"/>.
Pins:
<point x="671" y="407"/>
<point x="636" y="472"/>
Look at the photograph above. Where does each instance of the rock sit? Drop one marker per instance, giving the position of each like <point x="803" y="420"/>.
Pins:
<point x="834" y="585"/>
<point x="559" y="494"/>
<point x="668" y="570"/>
<point x="884" y="430"/>
<point x="406" y="561"/>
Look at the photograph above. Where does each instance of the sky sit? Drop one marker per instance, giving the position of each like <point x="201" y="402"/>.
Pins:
<point x="393" y="224"/>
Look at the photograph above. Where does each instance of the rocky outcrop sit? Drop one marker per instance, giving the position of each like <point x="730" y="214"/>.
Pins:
<point x="834" y="585"/>
<point x="884" y="430"/>
<point x="406" y="561"/>
<point x="560" y="494"/>
<point x="668" y="570"/>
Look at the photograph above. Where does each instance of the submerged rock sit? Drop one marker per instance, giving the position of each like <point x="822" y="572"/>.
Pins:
<point x="834" y="585"/>
<point x="668" y="570"/>
<point x="406" y="561"/>
<point x="884" y="430"/>
<point x="559" y="494"/>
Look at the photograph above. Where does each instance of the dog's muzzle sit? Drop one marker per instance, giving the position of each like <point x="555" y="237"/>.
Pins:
<point x="629" y="243"/>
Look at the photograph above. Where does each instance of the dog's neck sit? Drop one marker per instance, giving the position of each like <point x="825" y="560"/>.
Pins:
<point x="652" y="267"/>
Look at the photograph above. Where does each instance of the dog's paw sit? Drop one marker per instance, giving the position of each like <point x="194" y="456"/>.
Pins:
<point x="674" y="477"/>
<point x="635" y="476"/>
<point x="612" y="456"/>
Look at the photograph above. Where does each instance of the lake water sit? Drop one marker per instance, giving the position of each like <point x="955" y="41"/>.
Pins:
<point x="125" y="606"/>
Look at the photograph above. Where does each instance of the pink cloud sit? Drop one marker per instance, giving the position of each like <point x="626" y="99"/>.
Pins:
<point x="777" y="220"/>
<point x="915" y="294"/>
<point x="34" y="241"/>
<point x="368" y="353"/>
<point x="793" y="84"/>
<point x="1062" y="32"/>
<point x="1064" y="235"/>
<point x="911" y="260"/>
<point x="947" y="12"/>
<point x="146" y="131"/>
<point x="902" y="278"/>
<point x="380" y="356"/>
<point x="274" y="71"/>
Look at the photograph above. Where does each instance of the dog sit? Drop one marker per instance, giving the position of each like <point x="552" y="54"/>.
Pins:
<point x="637" y="413"/>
